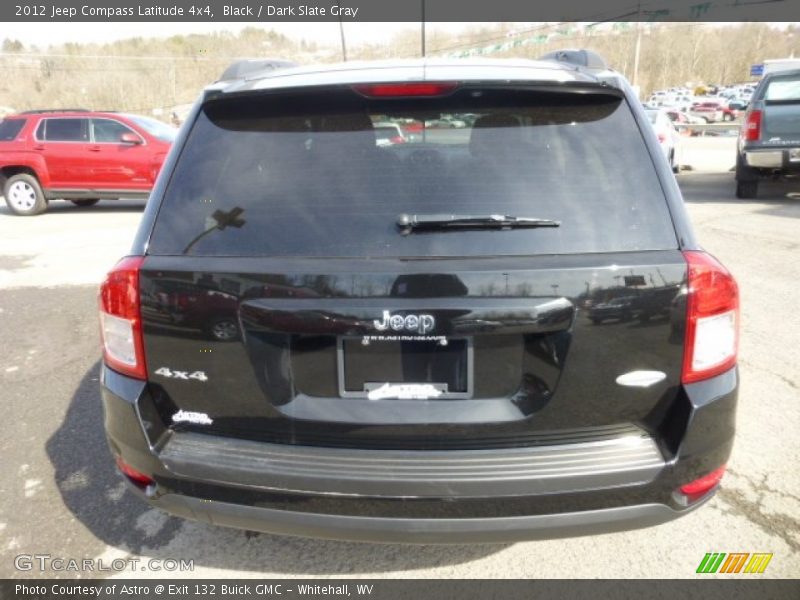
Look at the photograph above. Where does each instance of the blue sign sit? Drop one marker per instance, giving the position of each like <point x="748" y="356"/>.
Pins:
<point x="756" y="70"/>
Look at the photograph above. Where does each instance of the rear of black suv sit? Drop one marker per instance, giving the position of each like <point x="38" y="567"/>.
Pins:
<point x="409" y="352"/>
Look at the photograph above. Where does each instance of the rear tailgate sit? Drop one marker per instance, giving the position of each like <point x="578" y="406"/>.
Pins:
<point x="307" y="352"/>
<point x="282" y="303"/>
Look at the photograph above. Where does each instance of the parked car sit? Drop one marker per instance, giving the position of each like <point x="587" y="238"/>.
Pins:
<point x="681" y="102"/>
<point x="769" y="138"/>
<point x="737" y="104"/>
<point x="80" y="156"/>
<point x="682" y="121"/>
<point x="621" y="308"/>
<point x="657" y="98"/>
<point x="194" y="308"/>
<point x="712" y="111"/>
<point x="445" y="122"/>
<point x="418" y="371"/>
<point x="387" y="134"/>
<point x="709" y="111"/>
<point x="668" y="137"/>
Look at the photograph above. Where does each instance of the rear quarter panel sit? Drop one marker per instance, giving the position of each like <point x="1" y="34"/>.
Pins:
<point x="19" y="154"/>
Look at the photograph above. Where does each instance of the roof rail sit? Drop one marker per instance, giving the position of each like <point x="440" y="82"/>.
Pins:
<point x="245" y="67"/>
<point x="53" y="110"/>
<point x="587" y="59"/>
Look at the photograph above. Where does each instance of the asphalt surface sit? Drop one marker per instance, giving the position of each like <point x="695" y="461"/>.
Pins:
<point x="61" y="496"/>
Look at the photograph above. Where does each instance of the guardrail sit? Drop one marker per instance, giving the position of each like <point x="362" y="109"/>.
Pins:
<point x="729" y="128"/>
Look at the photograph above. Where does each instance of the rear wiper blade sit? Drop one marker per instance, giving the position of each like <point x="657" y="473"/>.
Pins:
<point x="408" y="223"/>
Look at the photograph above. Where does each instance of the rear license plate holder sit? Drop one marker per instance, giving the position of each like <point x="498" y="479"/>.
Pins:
<point x="405" y="369"/>
<point x="794" y="155"/>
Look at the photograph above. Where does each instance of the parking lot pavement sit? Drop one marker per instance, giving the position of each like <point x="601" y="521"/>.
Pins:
<point x="708" y="153"/>
<point x="61" y="495"/>
<point x="66" y="245"/>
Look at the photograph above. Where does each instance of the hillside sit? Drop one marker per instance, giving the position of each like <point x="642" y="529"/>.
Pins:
<point x="147" y="74"/>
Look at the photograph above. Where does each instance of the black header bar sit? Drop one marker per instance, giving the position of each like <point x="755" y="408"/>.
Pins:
<point x="278" y="11"/>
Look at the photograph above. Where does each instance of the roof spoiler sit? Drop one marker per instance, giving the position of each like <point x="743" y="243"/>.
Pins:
<point x="586" y="59"/>
<point x="248" y="67"/>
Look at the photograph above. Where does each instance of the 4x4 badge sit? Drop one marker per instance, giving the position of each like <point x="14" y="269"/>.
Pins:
<point x="422" y="323"/>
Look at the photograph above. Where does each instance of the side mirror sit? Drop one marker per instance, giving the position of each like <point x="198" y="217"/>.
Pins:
<point x="130" y="138"/>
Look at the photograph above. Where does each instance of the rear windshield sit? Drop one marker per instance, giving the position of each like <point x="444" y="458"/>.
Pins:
<point x="783" y="89"/>
<point x="157" y="129"/>
<point x="10" y="128"/>
<point x="307" y="175"/>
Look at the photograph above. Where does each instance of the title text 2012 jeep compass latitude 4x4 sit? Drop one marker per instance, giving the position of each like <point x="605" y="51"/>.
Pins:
<point x="411" y="356"/>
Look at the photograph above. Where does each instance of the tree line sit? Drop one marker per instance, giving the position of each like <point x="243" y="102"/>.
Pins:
<point x="142" y="74"/>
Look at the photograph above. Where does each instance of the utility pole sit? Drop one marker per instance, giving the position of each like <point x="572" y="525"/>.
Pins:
<point x="423" y="28"/>
<point x="638" y="44"/>
<point x="173" y="73"/>
<point x="341" y="32"/>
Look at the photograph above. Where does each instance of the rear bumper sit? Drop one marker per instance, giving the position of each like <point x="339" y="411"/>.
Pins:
<point x="497" y="495"/>
<point x="773" y="158"/>
<point x="503" y="472"/>
<point x="418" y="531"/>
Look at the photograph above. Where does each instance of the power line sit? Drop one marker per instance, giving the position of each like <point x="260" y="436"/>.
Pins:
<point x="79" y="69"/>
<point x="497" y="38"/>
<point x="115" y="56"/>
<point x="473" y="48"/>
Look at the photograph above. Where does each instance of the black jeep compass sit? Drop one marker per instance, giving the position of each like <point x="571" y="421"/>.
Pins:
<point x="326" y="333"/>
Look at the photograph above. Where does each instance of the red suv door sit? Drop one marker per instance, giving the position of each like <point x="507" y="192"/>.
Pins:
<point x="62" y="142"/>
<point x="118" y="164"/>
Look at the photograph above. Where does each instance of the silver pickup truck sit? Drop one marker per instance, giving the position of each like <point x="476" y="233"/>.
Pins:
<point x="769" y="140"/>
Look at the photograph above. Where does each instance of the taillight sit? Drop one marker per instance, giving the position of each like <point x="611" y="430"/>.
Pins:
<point x="398" y="90"/>
<point x="752" y="126"/>
<point x="694" y="490"/>
<point x="712" y="319"/>
<point x="397" y="139"/>
<point x="120" y="319"/>
<point x="134" y="475"/>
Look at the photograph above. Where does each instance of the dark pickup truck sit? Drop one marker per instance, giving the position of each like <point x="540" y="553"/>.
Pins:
<point x="769" y="141"/>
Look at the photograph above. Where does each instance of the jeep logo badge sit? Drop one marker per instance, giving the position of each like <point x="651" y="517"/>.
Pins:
<point x="418" y="323"/>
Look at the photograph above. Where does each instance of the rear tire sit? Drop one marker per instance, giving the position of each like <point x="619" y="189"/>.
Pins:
<point x="746" y="179"/>
<point x="746" y="189"/>
<point x="84" y="203"/>
<point x="24" y="196"/>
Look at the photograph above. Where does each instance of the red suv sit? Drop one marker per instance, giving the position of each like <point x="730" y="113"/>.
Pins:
<point x="80" y="156"/>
